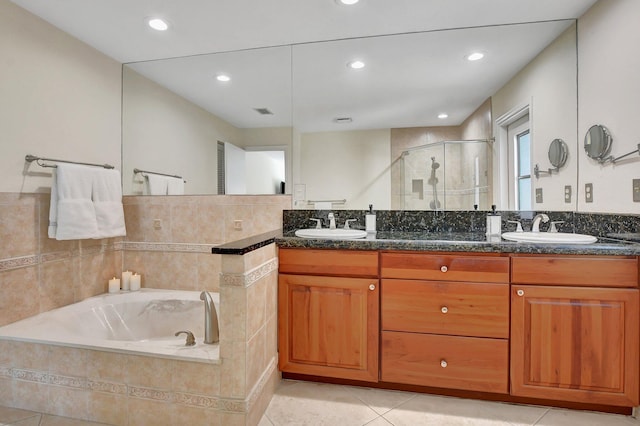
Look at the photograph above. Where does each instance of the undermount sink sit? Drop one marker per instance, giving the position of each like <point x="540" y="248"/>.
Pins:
<point x="331" y="234"/>
<point x="549" y="237"/>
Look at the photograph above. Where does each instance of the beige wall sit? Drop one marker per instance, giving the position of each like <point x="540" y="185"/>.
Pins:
<point x="351" y="165"/>
<point x="548" y="85"/>
<point x="59" y="98"/>
<point x="609" y="89"/>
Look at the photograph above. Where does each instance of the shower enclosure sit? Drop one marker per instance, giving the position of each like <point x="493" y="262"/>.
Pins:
<point x="447" y="175"/>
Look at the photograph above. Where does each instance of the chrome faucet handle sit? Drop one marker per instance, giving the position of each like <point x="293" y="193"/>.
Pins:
<point x="346" y="223"/>
<point x="318" y="222"/>
<point x="553" y="228"/>
<point x="191" y="340"/>
<point x="518" y="225"/>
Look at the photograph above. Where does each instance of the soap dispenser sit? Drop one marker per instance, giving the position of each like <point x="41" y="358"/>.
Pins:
<point x="370" y="220"/>
<point x="494" y="222"/>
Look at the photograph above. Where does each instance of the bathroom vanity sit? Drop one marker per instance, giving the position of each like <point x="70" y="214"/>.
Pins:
<point x="532" y="322"/>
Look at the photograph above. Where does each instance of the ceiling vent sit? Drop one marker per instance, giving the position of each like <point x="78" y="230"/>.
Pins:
<point x="263" y="111"/>
<point x="342" y="120"/>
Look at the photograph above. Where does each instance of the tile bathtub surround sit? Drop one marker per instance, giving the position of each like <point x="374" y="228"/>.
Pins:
<point x="597" y="224"/>
<point x="37" y="273"/>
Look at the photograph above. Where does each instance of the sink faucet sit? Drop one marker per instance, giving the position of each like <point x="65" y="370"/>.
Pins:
<point x="211" y="330"/>
<point x="332" y="221"/>
<point x="536" y="221"/>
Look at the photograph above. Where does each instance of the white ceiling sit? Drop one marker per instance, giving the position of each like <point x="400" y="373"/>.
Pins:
<point x="427" y="65"/>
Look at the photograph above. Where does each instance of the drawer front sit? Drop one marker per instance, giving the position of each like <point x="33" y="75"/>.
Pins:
<point x="446" y="267"/>
<point x="445" y="361"/>
<point x="583" y="271"/>
<point x="463" y="309"/>
<point x="328" y="262"/>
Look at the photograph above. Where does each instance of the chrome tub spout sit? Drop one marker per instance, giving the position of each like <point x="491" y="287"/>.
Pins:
<point x="211" y="330"/>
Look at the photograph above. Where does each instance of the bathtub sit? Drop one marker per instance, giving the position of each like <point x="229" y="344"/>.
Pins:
<point x="140" y="322"/>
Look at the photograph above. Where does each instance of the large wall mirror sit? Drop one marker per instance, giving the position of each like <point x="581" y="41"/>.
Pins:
<point x="369" y="135"/>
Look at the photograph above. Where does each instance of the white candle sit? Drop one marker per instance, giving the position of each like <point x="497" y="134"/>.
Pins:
<point x="134" y="283"/>
<point x="126" y="279"/>
<point x="114" y="285"/>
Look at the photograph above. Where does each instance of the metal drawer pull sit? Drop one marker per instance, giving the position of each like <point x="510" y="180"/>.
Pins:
<point x="372" y="287"/>
<point x="444" y="309"/>
<point x="443" y="363"/>
<point x="520" y="293"/>
<point x="443" y="268"/>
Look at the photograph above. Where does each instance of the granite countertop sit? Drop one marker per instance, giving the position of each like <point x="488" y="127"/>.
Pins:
<point x="431" y="241"/>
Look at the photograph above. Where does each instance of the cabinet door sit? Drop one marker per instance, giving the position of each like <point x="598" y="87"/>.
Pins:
<point x="574" y="343"/>
<point x="328" y="326"/>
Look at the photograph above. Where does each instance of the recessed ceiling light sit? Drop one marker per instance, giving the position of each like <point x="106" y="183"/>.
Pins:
<point x="223" y="77"/>
<point x="443" y="115"/>
<point x="356" y="65"/>
<point x="158" y="24"/>
<point x="475" y="56"/>
<point x="347" y="2"/>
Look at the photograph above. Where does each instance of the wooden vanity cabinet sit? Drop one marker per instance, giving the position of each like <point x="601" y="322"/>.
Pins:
<point x="328" y="313"/>
<point x="445" y="320"/>
<point x="576" y="339"/>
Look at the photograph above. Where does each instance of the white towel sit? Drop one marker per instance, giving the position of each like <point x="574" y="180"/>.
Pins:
<point x="156" y="184"/>
<point x="72" y="214"/>
<point x="175" y="186"/>
<point x="107" y="201"/>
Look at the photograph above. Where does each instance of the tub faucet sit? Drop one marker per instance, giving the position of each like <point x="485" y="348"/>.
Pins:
<point x="211" y="330"/>
<point x="536" y="221"/>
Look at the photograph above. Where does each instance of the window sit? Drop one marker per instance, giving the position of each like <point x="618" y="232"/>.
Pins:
<point x="520" y="191"/>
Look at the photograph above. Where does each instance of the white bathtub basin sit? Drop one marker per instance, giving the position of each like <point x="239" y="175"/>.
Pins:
<point x="549" y="237"/>
<point x="332" y="234"/>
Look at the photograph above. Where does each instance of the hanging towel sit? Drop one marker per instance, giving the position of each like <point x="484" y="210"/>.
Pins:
<point x="72" y="214"/>
<point x="107" y="201"/>
<point x="175" y="186"/>
<point x="156" y="184"/>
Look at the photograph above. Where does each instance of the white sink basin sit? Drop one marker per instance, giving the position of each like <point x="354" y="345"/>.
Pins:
<point x="549" y="237"/>
<point x="331" y="234"/>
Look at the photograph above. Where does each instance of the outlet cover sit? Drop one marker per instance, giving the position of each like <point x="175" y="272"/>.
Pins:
<point x="588" y="193"/>
<point x="538" y="195"/>
<point x="567" y="193"/>
<point x="237" y="225"/>
<point x="636" y="190"/>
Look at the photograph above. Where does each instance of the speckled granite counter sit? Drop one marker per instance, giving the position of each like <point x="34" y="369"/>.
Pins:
<point x="459" y="242"/>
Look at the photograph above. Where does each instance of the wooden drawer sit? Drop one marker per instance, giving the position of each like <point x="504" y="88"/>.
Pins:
<point x="598" y="271"/>
<point x="449" y="267"/>
<point x="328" y="262"/>
<point x="445" y="361"/>
<point x="464" y="309"/>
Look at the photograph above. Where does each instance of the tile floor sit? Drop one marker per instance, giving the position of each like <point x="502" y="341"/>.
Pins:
<point x="317" y="404"/>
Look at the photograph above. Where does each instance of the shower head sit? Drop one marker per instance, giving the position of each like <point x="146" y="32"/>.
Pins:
<point x="434" y="163"/>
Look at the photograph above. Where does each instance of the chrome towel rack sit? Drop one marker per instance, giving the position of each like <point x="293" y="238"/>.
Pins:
<point x="136" y="171"/>
<point x="39" y="161"/>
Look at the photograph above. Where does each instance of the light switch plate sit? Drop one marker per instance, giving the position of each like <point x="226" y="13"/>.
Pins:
<point x="567" y="193"/>
<point x="636" y="190"/>
<point x="538" y="195"/>
<point x="588" y="193"/>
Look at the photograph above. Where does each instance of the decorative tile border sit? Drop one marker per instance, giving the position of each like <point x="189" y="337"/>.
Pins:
<point x="168" y="247"/>
<point x="233" y="405"/>
<point x="19" y="262"/>
<point x="249" y="278"/>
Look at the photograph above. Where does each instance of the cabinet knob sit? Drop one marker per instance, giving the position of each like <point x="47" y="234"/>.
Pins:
<point x="443" y="268"/>
<point x="444" y="309"/>
<point x="520" y="293"/>
<point x="443" y="363"/>
<point x="372" y="287"/>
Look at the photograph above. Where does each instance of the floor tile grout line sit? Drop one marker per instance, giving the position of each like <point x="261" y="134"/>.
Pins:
<point x="541" y="416"/>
